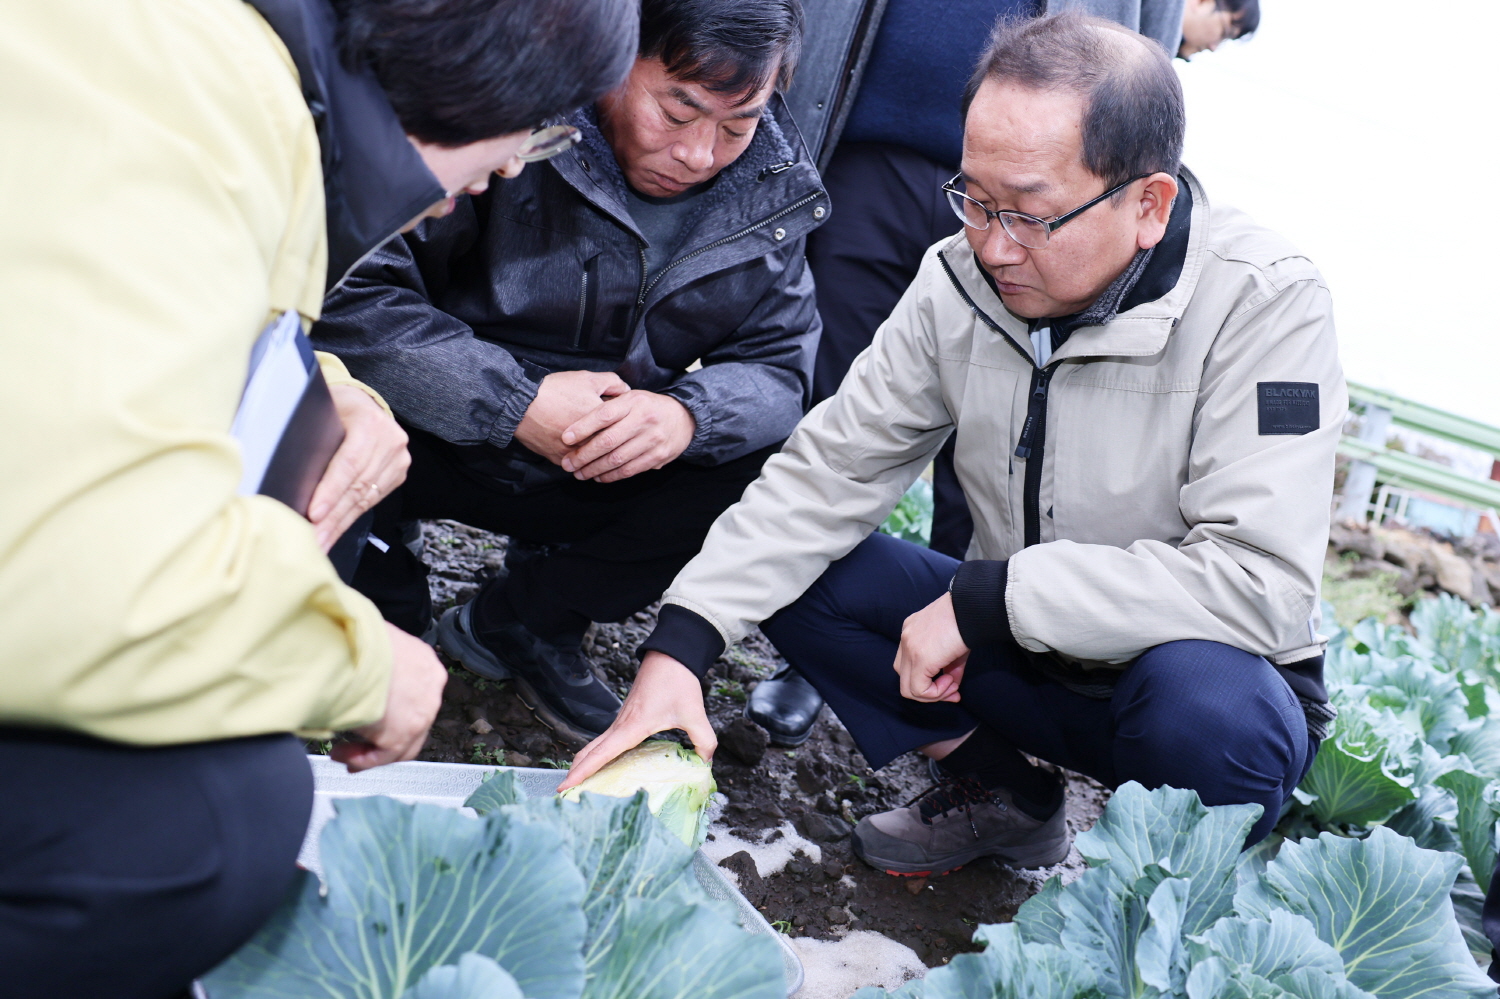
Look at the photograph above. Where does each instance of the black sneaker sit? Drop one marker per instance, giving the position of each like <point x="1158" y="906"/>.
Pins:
<point x="954" y="822"/>
<point x="785" y="706"/>
<point x="554" y="681"/>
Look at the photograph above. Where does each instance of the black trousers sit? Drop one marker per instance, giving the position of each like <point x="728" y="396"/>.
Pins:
<point x="127" y="872"/>
<point x="888" y="209"/>
<point x="606" y="550"/>
<point x="1189" y="714"/>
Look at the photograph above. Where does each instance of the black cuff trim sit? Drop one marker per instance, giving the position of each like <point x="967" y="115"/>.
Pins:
<point x="979" y="603"/>
<point x="686" y="637"/>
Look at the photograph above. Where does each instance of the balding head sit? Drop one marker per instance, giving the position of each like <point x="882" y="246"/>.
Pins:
<point x="1132" y="108"/>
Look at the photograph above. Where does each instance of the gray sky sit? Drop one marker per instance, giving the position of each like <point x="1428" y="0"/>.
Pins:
<point x="1366" y="132"/>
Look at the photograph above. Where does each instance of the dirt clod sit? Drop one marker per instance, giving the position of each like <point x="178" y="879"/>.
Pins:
<point x="823" y="828"/>
<point x="745" y="741"/>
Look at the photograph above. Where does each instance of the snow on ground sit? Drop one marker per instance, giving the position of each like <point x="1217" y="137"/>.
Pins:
<point x="836" y="968"/>
<point x="770" y="856"/>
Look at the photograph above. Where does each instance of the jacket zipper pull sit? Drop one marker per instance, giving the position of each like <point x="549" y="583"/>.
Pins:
<point x="776" y="168"/>
<point x="1035" y="409"/>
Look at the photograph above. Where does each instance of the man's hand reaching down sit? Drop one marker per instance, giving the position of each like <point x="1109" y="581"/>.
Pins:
<point x="665" y="695"/>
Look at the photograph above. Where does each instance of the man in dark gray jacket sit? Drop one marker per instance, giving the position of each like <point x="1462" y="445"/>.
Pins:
<point x="596" y="357"/>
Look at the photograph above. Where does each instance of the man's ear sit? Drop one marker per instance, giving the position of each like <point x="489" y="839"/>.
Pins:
<point x="1155" y="208"/>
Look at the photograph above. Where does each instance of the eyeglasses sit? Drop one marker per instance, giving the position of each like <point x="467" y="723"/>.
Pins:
<point x="1028" y="230"/>
<point x="545" y="143"/>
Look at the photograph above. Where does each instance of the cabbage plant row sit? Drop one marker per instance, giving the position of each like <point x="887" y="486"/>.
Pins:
<point x="1361" y="891"/>
<point x="534" y="899"/>
<point x="1355" y="895"/>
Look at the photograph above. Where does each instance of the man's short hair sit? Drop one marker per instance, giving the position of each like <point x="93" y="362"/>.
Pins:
<point x="731" y="47"/>
<point x="1246" y="15"/>
<point x="1133" y="116"/>
<point x="460" y="71"/>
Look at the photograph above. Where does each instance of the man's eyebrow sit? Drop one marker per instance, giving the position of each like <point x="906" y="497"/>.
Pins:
<point x="1035" y="187"/>
<point x="755" y="112"/>
<point x="682" y="96"/>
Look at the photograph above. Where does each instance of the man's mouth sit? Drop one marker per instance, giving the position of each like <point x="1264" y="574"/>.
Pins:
<point x="668" y="184"/>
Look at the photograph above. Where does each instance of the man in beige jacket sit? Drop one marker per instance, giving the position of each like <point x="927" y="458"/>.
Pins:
<point x="1147" y="396"/>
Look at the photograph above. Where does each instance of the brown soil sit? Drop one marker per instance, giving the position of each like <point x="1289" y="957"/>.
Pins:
<point x="821" y="787"/>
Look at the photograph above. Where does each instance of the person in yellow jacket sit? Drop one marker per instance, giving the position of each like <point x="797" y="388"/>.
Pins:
<point x="164" y="175"/>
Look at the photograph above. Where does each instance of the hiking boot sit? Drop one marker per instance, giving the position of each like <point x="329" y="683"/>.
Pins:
<point x="956" y="821"/>
<point x="785" y="706"/>
<point x="553" y="680"/>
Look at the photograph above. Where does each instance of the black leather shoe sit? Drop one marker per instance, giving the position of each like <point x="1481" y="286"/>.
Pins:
<point x="554" y="681"/>
<point x="785" y="706"/>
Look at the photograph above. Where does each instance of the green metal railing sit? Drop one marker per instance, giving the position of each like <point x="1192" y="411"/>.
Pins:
<point x="1427" y="420"/>
<point x="1374" y="462"/>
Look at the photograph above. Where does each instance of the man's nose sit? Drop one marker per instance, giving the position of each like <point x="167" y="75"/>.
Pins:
<point x="696" y="152"/>
<point x="999" y="249"/>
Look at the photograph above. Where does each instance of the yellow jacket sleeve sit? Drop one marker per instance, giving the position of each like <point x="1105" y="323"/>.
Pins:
<point x="160" y="201"/>
<point x="334" y="373"/>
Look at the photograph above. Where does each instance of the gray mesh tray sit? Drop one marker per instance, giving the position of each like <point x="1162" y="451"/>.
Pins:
<point x="450" y="784"/>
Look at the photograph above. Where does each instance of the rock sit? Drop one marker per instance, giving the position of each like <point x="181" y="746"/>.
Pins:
<point x="743" y="866"/>
<point x="915" y="885"/>
<point x="799" y="920"/>
<point x="458" y="691"/>
<point x="1453" y="573"/>
<point x="833" y="870"/>
<point x="516" y="759"/>
<point x="745" y="741"/>
<point x="535" y="743"/>
<point x="823" y="828"/>
<point x="481" y="726"/>
<point x="1347" y="536"/>
<point x="836" y="916"/>
<point x="810" y="778"/>
<point x="771" y="810"/>
<point x="1408" y="550"/>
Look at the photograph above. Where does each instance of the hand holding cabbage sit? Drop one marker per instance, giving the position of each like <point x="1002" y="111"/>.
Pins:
<point x="677" y="781"/>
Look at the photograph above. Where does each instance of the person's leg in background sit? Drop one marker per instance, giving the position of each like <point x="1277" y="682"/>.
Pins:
<point x="127" y="872"/>
<point x="888" y="208"/>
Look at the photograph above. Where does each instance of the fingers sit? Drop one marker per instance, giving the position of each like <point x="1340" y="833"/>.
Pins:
<point x="592" y="423"/>
<point x="636" y="448"/>
<point x="618" y="739"/>
<point x="705" y="739"/>
<point x="369" y="464"/>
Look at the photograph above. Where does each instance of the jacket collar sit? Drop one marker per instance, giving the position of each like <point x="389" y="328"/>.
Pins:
<point x="1149" y="308"/>
<point x="374" y="180"/>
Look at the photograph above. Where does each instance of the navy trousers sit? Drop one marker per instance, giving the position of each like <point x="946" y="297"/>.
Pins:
<point x="1190" y="714"/>
<point x="127" y="872"/>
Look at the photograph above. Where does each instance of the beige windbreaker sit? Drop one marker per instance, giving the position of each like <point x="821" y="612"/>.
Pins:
<point x="1165" y="513"/>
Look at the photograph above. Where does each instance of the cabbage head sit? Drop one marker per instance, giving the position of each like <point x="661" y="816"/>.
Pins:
<point x="677" y="781"/>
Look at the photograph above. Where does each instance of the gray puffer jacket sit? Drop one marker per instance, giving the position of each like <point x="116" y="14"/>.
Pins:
<point x="456" y="323"/>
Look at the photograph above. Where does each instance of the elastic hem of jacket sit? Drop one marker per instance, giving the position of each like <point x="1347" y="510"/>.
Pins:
<point x="979" y="603"/>
<point x="685" y="636"/>
<point x="513" y="408"/>
<point x="691" y="395"/>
